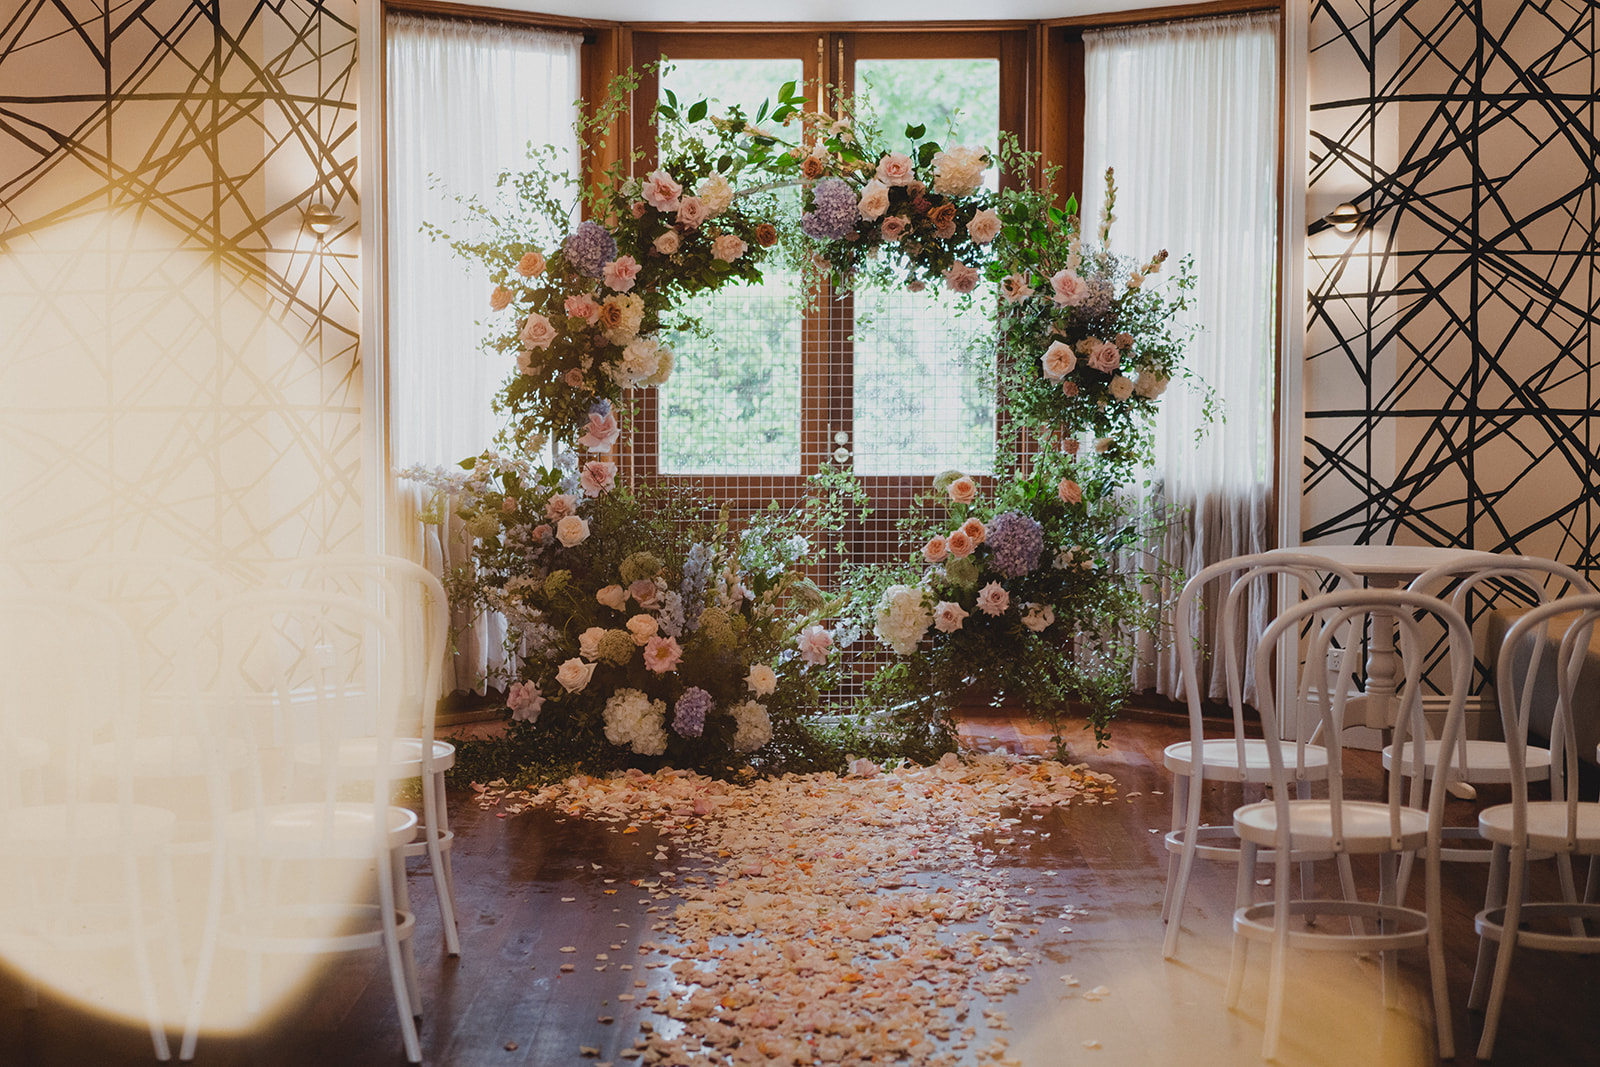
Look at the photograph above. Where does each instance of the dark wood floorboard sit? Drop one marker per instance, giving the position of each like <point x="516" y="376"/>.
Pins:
<point x="505" y="1001"/>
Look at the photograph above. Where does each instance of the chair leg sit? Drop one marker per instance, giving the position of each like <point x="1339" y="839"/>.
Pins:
<point x="436" y="824"/>
<point x="1191" y="845"/>
<point x="1444" y="1024"/>
<point x="1508" y="942"/>
<point x="208" y="954"/>
<point x="1388" y="878"/>
<point x="387" y="905"/>
<point x="1180" y="783"/>
<point x="1494" y="897"/>
<point x="1280" y="952"/>
<point x="1247" y="863"/>
<point x="1569" y="892"/>
<point x="402" y="903"/>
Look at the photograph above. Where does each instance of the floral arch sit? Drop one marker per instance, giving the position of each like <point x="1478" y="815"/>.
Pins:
<point x="644" y="629"/>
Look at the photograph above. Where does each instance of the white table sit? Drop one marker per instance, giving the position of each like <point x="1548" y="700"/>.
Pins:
<point x="1384" y="567"/>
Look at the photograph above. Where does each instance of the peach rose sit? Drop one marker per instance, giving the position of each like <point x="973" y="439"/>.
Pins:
<point x="1069" y="491"/>
<point x="1058" y="361"/>
<point x="643" y="628"/>
<point x="963" y="490"/>
<point x="559" y="506"/>
<point x="530" y="264"/>
<point x="1105" y="357"/>
<point x="728" y="247"/>
<point x="612" y="596"/>
<point x="959" y="544"/>
<point x="499" y="298"/>
<point x="975" y="529"/>
<point x="936" y="549"/>
<point x="582" y="306"/>
<point x="874" y="200"/>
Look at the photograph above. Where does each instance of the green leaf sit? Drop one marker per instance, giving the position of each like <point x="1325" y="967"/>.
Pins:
<point x="781" y="113"/>
<point x="697" y="110"/>
<point x="666" y="112"/>
<point x="761" y="112"/>
<point x="724" y="162"/>
<point x="468" y="463"/>
<point x="786" y="93"/>
<point x="914" y="132"/>
<point x="672" y="97"/>
<point x="926" y="153"/>
<point x="1072" y="205"/>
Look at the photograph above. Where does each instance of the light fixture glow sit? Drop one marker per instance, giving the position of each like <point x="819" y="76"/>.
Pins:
<point x="320" y="219"/>
<point x="1345" y="218"/>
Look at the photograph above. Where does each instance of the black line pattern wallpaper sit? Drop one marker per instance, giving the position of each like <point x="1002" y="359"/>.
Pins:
<point x="1451" y="376"/>
<point x="180" y="369"/>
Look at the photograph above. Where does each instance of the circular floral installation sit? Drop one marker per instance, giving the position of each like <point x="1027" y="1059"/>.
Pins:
<point x="695" y="638"/>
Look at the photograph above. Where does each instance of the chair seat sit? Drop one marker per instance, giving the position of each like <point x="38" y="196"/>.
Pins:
<point x="1547" y="826"/>
<point x="360" y="754"/>
<point x="332" y="831"/>
<point x="1366" y="825"/>
<point x="1488" y="762"/>
<point x="86" y="829"/>
<point x="1221" y="757"/>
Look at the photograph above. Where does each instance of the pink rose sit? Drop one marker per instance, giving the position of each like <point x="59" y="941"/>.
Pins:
<point x="541" y="532"/>
<point x="574" y="378"/>
<point x="1069" y="389"/>
<point x="621" y="272"/>
<point x="559" y="506"/>
<point x="895" y="169"/>
<point x="728" y="248"/>
<point x="959" y="544"/>
<point x="537" y="332"/>
<point x="935" y="550"/>
<point x="1069" y="491"/>
<point x="499" y="298"/>
<point x="667" y="243"/>
<point x="582" y="306"/>
<point x="1015" y="287"/>
<point x="894" y="227"/>
<point x="814" y="643"/>
<point x="661" y="654"/>
<point x="1058" y="361"/>
<point x="692" y="212"/>
<point x="916" y="285"/>
<point x="602" y="432"/>
<point x="1069" y="288"/>
<point x="530" y="264"/>
<point x="963" y="490"/>
<point x="638" y="207"/>
<point x="984" y="227"/>
<point x="1105" y="357"/>
<point x="524" y="700"/>
<point x="645" y="592"/>
<point x="993" y="599"/>
<point x="598" y="477"/>
<point x="961" y="278"/>
<point x="948" y="617"/>
<point x="974" y="529"/>
<point x="660" y="191"/>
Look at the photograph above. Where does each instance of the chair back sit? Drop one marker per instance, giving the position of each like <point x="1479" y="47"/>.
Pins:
<point x="297" y="673"/>
<point x="1514" y="713"/>
<point x="411" y="596"/>
<point x="1492" y="579"/>
<point x="1242" y="585"/>
<point x="1326" y="684"/>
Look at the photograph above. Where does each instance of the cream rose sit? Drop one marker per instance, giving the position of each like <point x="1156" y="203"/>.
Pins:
<point x="762" y="679"/>
<point x="716" y="193"/>
<point x="1120" y="388"/>
<point x="895" y="169"/>
<point x="728" y="247"/>
<point x="643" y="628"/>
<point x="537" y="332"/>
<point x="1058" y="361"/>
<point x="574" y="674"/>
<point x="958" y="171"/>
<point x="667" y="243"/>
<point x="874" y="200"/>
<point x="589" y="642"/>
<point x="572" y="530"/>
<point x="612" y="596"/>
<point x="984" y="227"/>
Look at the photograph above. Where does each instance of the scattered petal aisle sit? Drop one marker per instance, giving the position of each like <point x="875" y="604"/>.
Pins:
<point x="829" y="919"/>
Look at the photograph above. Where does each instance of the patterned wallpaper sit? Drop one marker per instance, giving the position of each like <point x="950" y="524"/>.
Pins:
<point x="1451" y="376"/>
<point x="179" y="369"/>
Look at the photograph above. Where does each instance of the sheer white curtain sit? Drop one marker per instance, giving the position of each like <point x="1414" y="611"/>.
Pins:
<point x="1187" y="114"/>
<point x="464" y="101"/>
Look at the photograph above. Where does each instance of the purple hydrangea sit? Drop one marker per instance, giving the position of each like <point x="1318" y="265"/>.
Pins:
<point x="689" y="714"/>
<point x="1015" y="543"/>
<point x="833" y="213"/>
<point x="589" y="248"/>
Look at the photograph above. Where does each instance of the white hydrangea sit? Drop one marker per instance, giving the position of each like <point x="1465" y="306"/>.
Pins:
<point x="958" y="171"/>
<point x="632" y="718"/>
<point x="640" y="360"/>
<point x="715" y="192"/>
<point x="903" y="617"/>
<point x="754" y="726"/>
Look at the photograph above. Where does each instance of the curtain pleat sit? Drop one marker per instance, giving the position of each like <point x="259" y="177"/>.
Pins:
<point x="465" y="100"/>
<point x="1187" y="114"/>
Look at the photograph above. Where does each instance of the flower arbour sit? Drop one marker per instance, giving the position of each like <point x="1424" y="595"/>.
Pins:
<point x="1083" y="350"/>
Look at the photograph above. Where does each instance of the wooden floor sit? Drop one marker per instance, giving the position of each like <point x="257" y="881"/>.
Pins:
<point x="504" y="1000"/>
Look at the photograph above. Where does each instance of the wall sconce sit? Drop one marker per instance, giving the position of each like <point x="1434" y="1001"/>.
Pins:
<point x="1346" y="218"/>
<point x="320" y="219"/>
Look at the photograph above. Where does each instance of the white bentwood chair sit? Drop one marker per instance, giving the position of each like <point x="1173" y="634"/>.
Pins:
<point x="1562" y="825"/>
<point x="86" y="880"/>
<point x="295" y="675"/>
<point x="1237" y="585"/>
<point x="415" y="600"/>
<point x="1487" y="578"/>
<point x="1389" y="829"/>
